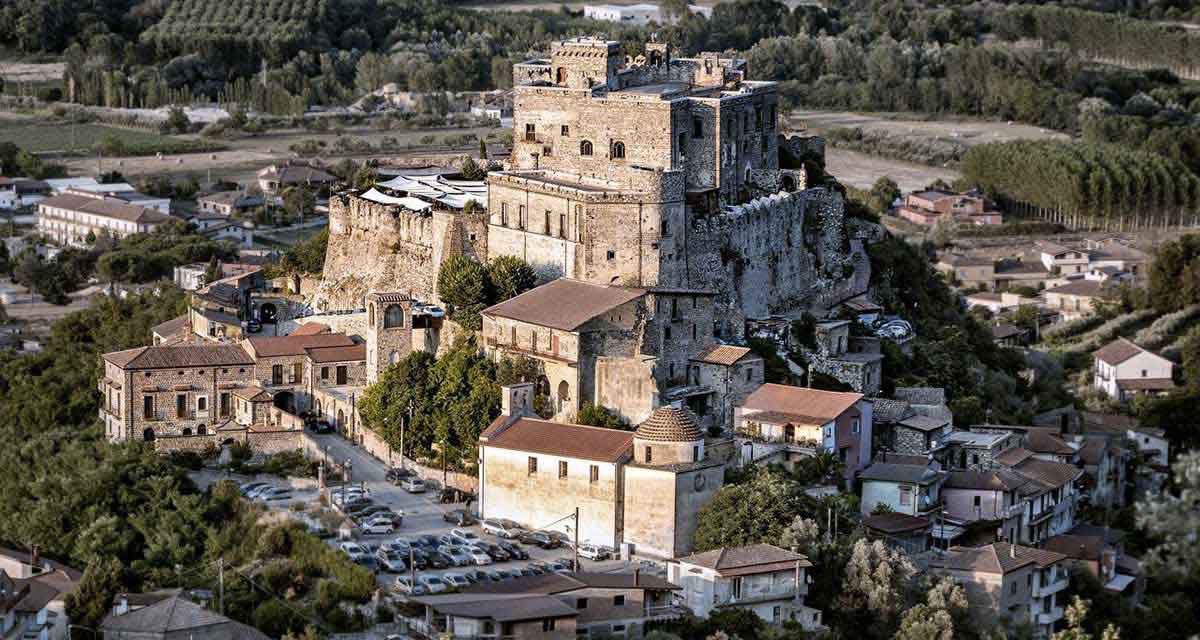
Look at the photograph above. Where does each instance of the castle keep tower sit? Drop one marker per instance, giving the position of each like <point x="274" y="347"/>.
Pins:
<point x="389" y="331"/>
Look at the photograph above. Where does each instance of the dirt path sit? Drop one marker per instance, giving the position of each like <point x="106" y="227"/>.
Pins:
<point x="862" y="170"/>
<point x="966" y="131"/>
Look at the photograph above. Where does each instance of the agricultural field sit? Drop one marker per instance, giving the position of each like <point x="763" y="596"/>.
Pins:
<point x="39" y="137"/>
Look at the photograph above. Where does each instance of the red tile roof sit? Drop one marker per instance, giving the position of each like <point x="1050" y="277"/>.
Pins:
<point x="998" y="558"/>
<point x="353" y="353"/>
<point x="801" y="401"/>
<point x="564" y="303"/>
<point x="310" y="329"/>
<point x="722" y="354"/>
<point x="294" y="345"/>
<point x="179" y="356"/>
<point x="1117" y="351"/>
<point x="559" y="439"/>
<point x="755" y="558"/>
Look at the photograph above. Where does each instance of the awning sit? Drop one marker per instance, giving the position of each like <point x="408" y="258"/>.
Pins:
<point x="1119" y="583"/>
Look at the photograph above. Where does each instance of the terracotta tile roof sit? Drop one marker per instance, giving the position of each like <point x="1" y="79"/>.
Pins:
<point x="391" y="297"/>
<point x="1109" y="422"/>
<point x="1039" y="441"/>
<point x="895" y="523"/>
<point x="924" y="423"/>
<point x="670" y="424"/>
<point x="1117" y="351"/>
<point x="1002" y="331"/>
<point x="1146" y="384"/>
<point x="106" y="207"/>
<point x="1080" y="547"/>
<point x="983" y="480"/>
<point x="722" y="354"/>
<point x="997" y="558"/>
<point x="801" y="401"/>
<point x="1083" y="288"/>
<point x="553" y="583"/>
<point x="755" y="558"/>
<point x="353" y="353"/>
<point x="559" y="439"/>
<point x="294" y="345"/>
<point x="252" y="394"/>
<point x="1014" y="456"/>
<point x="908" y="473"/>
<point x="310" y="329"/>
<point x="173" y="326"/>
<point x="1050" y="474"/>
<point x="178" y="356"/>
<point x="175" y="616"/>
<point x="564" y="303"/>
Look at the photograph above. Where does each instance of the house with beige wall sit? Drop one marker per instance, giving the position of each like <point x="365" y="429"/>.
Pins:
<point x="762" y="578"/>
<point x="1122" y="370"/>
<point x="1009" y="584"/>
<point x="994" y="496"/>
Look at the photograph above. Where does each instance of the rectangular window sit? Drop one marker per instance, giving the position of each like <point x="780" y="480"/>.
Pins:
<point x="978" y="501"/>
<point x="562" y="225"/>
<point x="611" y="255"/>
<point x="297" y="373"/>
<point x="342" y="374"/>
<point x="581" y="603"/>
<point x="181" y="405"/>
<point x="857" y="426"/>
<point x="223" y="407"/>
<point x="530" y="132"/>
<point x="905" y="495"/>
<point x="324" y="373"/>
<point x="277" y="374"/>
<point x="532" y="465"/>
<point x="618" y="601"/>
<point x="521" y="217"/>
<point x="594" y="473"/>
<point x="504" y="213"/>
<point x="201" y="403"/>
<point x="562" y="469"/>
<point x="548" y="624"/>
<point x="566" y="131"/>
<point x="546" y="222"/>
<point x="147" y="407"/>
<point x="649" y="454"/>
<point x="697" y="128"/>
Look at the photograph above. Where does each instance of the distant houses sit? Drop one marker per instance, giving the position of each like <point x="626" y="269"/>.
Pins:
<point x="931" y="206"/>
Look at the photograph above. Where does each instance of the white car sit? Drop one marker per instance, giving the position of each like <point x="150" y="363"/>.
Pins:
<point x="404" y="584"/>
<point x="479" y="557"/>
<point x="392" y="561"/>
<point x="463" y="536"/>
<point x="457" y="555"/>
<point x="379" y="524"/>
<point x="274" y="493"/>
<point x="399" y="545"/>
<point x="593" y="552"/>
<point x="252" y="486"/>
<point x="501" y="527"/>
<point x="413" y="485"/>
<point x="456" y="580"/>
<point x="432" y="584"/>
<point x="353" y="550"/>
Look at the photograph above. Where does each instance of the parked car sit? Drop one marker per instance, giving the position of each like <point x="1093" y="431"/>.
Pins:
<point x="321" y="427"/>
<point x="563" y="539"/>
<point x="379" y="524"/>
<point x="369" y="562"/>
<point x="374" y="510"/>
<point x="494" y="550"/>
<point x="427" y="540"/>
<point x="464" y="536"/>
<point x="438" y="560"/>
<point x="392" y="561"/>
<point x="432" y="584"/>
<point x="541" y="539"/>
<point x="274" y="493"/>
<point x="449" y="495"/>
<point x="413" y="485"/>
<point x="418" y="559"/>
<point x="502" y="528"/>
<point x="594" y="552"/>
<point x="479" y="557"/>
<point x="252" y="486"/>
<point x="396" y="474"/>
<point x="529" y="571"/>
<point x="405" y="585"/>
<point x="352" y="549"/>
<point x="457" y="555"/>
<point x="479" y="575"/>
<point x="459" y="517"/>
<point x="456" y="580"/>
<point x="515" y="552"/>
<point x="256" y="491"/>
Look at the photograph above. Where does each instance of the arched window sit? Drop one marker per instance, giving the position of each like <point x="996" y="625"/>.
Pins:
<point x="618" y="150"/>
<point x="201" y="430"/>
<point x="585" y="148"/>
<point x="393" y="316"/>
<point x="148" y="435"/>
<point x="560" y="76"/>
<point x="394" y="357"/>
<point x="543" y="386"/>
<point x="371" y="314"/>
<point x="187" y="431"/>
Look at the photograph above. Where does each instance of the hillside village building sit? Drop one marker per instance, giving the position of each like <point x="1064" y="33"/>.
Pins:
<point x="761" y="578"/>
<point x="931" y="206"/>
<point x="1009" y="583"/>
<point x="639" y="489"/>
<point x="1122" y="370"/>
<point x="71" y="217"/>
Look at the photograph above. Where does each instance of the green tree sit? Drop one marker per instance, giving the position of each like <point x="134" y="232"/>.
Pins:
<point x="509" y="276"/>
<point x="599" y="416"/>
<point x="463" y="284"/>
<point x="471" y="170"/>
<point x="1076" y="615"/>
<point x="758" y="510"/>
<point x="883" y="193"/>
<point x="943" y="615"/>
<point x="877" y="587"/>
<point x="213" y="271"/>
<point x="177" y="121"/>
<point x="299" y="202"/>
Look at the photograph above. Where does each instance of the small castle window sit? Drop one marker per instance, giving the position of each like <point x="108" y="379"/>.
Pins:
<point x="566" y="130"/>
<point x="612" y="255"/>
<point x="585" y="148"/>
<point x="393" y="316"/>
<point x="618" y="150"/>
<point x="697" y="128"/>
<point x="530" y="132"/>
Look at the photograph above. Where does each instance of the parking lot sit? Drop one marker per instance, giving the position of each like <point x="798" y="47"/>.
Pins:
<point x="422" y="515"/>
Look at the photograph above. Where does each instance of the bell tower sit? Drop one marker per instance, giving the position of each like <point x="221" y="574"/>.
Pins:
<point x="389" y="331"/>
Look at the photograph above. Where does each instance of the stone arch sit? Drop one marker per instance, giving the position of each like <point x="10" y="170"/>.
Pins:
<point x="341" y="419"/>
<point x="285" y="400"/>
<point x="393" y="316"/>
<point x="789" y="182"/>
<point x="201" y="430"/>
<point x="585" y="148"/>
<point x="148" y="435"/>
<point x="564" y="392"/>
<point x="618" y="150"/>
<point x="187" y="431"/>
<point x="268" y="313"/>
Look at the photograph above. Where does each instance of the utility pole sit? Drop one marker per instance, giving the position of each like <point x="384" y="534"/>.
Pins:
<point x="412" y="566"/>
<point x="221" y="584"/>
<point x="575" y="563"/>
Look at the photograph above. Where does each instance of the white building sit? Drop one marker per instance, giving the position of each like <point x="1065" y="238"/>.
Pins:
<point x="1122" y="370"/>
<point x="762" y="578"/>
<point x="632" y="14"/>
<point x="70" y="217"/>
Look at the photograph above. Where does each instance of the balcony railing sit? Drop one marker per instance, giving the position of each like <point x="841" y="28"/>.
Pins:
<point x="1057" y="583"/>
<point x="1051" y="616"/>
<point x="749" y="595"/>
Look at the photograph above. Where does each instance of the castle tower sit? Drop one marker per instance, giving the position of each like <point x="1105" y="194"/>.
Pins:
<point x="389" y="331"/>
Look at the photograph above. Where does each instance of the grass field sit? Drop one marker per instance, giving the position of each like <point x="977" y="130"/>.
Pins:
<point x="69" y="138"/>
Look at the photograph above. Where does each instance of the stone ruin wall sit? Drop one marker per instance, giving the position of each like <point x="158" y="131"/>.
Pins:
<point x="375" y="247"/>
<point x="777" y="255"/>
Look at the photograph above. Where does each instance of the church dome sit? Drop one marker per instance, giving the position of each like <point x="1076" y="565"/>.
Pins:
<point x="670" y="424"/>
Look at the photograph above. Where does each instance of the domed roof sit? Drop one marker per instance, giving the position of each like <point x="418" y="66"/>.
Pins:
<point x="670" y="424"/>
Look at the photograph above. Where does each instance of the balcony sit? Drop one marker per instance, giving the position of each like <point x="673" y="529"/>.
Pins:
<point x="756" y="595"/>
<point x="1051" y="616"/>
<point x="1058" y="582"/>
